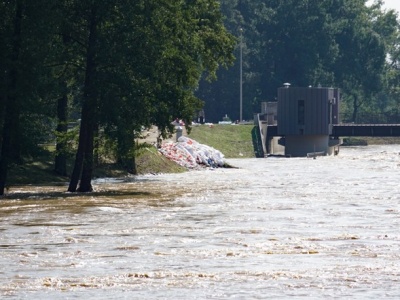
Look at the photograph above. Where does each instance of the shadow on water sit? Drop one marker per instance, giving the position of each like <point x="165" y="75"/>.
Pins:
<point x="109" y="194"/>
<point x="51" y="203"/>
<point x="51" y="195"/>
<point x="59" y="190"/>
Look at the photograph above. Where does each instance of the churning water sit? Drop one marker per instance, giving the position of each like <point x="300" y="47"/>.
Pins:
<point x="271" y="228"/>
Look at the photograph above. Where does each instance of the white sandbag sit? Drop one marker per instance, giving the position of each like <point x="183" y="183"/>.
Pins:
<point x="191" y="154"/>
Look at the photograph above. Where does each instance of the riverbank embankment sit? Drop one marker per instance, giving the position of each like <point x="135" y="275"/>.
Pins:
<point x="233" y="141"/>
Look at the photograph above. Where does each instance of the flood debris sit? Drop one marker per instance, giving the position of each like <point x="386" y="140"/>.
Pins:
<point x="191" y="154"/>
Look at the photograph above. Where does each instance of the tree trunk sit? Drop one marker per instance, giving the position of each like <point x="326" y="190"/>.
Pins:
<point x="11" y="111"/>
<point x="134" y="169"/>
<point x="96" y="155"/>
<point x="76" y="172"/>
<point x="84" y="157"/>
<point x="2" y="116"/>
<point x="5" y="149"/>
<point x="355" y="109"/>
<point x="85" y="184"/>
<point x="60" y="162"/>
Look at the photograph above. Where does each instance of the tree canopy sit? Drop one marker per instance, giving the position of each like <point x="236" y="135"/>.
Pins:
<point x="125" y="64"/>
<point x="345" y="44"/>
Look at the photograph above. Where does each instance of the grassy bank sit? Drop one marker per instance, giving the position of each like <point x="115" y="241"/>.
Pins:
<point x="234" y="141"/>
<point x="41" y="170"/>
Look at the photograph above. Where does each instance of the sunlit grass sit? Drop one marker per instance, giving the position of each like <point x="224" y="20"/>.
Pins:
<point x="234" y="141"/>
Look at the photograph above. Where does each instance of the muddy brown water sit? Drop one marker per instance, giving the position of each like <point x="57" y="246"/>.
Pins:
<point x="272" y="228"/>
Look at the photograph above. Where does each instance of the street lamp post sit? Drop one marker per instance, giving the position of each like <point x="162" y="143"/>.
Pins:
<point x="241" y="75"/>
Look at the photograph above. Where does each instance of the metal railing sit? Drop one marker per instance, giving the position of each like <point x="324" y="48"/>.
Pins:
<point x="371" y="118"/>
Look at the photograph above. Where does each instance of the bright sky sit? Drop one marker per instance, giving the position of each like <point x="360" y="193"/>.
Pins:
<point x="395" y="4"/>
<point x="390" y="4"/>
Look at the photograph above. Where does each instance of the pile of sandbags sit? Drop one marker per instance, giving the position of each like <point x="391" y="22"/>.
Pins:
<point x="191" y="154"/>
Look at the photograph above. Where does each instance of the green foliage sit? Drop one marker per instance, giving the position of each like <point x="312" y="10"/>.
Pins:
<point x="127" y="64"/>
<point x="153" y="82"/>
<point x="69" y="139"/>
<point x="344" y="44"/>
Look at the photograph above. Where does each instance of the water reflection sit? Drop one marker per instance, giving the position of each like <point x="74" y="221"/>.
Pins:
<point x="273" y="228"/>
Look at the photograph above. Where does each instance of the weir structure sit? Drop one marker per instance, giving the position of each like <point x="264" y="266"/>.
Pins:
<point x="305" y="122"/>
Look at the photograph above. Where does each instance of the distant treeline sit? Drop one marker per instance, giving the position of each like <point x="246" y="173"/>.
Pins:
<point x="332" y="43"/>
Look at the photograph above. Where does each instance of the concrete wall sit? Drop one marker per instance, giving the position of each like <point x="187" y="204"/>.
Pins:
<point x="275" y="148"/>
<point x="306" y="111"/>
<point x="300" y="146"/>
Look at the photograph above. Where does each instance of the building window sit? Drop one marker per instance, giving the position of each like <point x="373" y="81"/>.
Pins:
<point x="300" y="112"/>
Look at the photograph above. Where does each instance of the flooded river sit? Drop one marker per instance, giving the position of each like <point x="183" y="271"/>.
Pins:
<point x="271" y="228"/>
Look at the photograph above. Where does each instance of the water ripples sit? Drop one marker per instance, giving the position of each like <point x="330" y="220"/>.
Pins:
<point x="272" y="228"/>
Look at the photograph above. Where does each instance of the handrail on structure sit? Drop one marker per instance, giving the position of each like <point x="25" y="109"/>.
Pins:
<point x="263" y="133"/>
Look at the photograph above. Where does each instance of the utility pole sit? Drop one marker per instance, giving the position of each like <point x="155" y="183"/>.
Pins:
<point x="241" y="75"/>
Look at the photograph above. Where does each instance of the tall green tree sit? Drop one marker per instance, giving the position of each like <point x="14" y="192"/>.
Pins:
<point x="143" y="61"/>
<point x="360" y="66"/>
<point x="177" y="42"/>
<point x="24" y="33"/>
<point x="93" y="16"/>
<point x="387" y="101"/>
